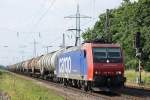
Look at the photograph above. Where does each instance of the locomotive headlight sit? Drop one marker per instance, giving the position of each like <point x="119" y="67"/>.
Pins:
<point x="96" y="72"/>
<point x="118" y="72"/>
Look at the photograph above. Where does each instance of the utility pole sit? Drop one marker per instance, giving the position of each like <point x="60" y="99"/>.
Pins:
<point x="34" y="49"/>
<point x="63" y="45"/>
<point x="34" y="41"/>
<point x="78" y="17"/>
<point x="47" y="48"/>
<point x="22" y="51"/>
<point x="107" y="27"/>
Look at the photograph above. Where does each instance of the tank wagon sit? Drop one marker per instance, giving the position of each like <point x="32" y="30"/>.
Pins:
<point x="47" y="64"/>
<point x="89" y="66"/>
<point x="35" y="67"/>
<point x="18" y="67"/>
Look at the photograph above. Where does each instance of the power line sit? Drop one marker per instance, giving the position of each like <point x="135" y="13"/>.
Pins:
<point x="43" y="15"/>
<point x="41" y="7"/>
<point x="94" y="2"/>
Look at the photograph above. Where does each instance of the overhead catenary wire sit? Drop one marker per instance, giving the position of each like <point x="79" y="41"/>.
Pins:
<point x="44" y="14"/>
<point x="31" y="18"/>
<point x="94" y="9"/>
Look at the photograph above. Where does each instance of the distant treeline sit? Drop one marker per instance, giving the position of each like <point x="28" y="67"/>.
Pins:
<point x="2" y="67"/>
<point x="125" y="21"/>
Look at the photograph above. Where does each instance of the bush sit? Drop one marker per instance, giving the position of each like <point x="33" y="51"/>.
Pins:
<point x="0" y="72"/>
<point x="147" y="67"/>
<point x="132" y="64"/>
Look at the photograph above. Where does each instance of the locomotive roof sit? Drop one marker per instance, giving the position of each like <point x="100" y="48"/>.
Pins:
<point x="73" y="48"/>
<point x="92" y="45"/>
<point x="105" y="45"/>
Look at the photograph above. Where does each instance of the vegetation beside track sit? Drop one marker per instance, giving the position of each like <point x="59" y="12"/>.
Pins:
<point x="22" y="89"/>
<point x="131" y="77"/>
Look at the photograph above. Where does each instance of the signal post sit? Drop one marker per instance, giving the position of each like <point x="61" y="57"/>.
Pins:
<point x="138" y="55"/>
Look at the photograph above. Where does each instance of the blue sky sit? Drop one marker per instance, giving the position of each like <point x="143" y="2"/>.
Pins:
<point x="31" y="17"/>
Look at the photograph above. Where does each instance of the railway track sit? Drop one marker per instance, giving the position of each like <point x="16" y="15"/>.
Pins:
<point x="137" y="92"/>
<point x="71" y="93"/>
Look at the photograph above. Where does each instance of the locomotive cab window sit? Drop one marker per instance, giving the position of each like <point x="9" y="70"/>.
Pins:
<point x="99" y="54"/>
<point x="102" y="54"/>
<point x="114" y="52"/>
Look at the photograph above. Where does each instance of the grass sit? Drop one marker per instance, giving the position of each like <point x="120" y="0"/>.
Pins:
<point x="131" y="76"/>
<point x="21" y="89"/>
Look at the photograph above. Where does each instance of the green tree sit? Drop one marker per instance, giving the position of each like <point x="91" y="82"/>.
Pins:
<point x="125" y="21"/>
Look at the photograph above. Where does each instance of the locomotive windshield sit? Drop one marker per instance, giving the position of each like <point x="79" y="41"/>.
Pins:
<point x="100" y="53"/>
<point x="114" y="52"/>
<point x="104" y="54"/>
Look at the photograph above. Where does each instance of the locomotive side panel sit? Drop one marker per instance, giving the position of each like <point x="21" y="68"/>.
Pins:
<point x="71" y="65"/>
<point x="87" y="47"/>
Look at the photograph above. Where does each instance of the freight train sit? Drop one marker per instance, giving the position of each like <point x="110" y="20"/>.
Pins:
<point x="89" y="66"/>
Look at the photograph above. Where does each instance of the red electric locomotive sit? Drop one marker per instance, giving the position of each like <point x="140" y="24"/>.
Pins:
<point x="105" y="65"/>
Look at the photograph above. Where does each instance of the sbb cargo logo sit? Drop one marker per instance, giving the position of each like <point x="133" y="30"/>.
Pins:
<point x="65" y="65"/>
